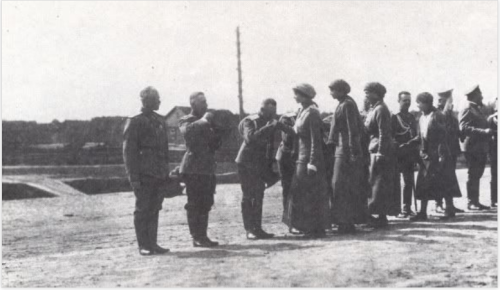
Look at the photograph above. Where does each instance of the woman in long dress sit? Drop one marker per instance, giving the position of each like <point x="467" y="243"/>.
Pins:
<point x="349" y="184"/>
<point x="308" y="204"/>
<point x="385" y="198"/>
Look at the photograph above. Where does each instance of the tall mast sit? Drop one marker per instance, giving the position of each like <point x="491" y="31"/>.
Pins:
<point x="240" y="81"/>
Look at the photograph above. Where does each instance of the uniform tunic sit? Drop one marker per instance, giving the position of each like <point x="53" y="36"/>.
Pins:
<point x="198" y="164"/>
<point x="308" y="205"/>
<point x="385" y="198"/>
<point x="475" y="145"/>
<point x="145" y="153"/>
<point x="350" y="189"/>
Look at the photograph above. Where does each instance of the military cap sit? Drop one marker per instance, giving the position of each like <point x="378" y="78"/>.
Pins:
<point x="306" y="89"/>
<point x="474" y="90"/>
<point x="445" y="94"/>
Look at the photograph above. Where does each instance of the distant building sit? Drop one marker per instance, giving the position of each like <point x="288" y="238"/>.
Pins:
<point x="172" y="119"/>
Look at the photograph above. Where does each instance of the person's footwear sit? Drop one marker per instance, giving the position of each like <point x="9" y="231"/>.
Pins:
<point x="473" y="206"/>
<point x="315" y="234"/>
<point x="159" y="250"/>
<point x="448" y="214"/>
<point x="204" y="242"/>
<point x="379" y="222"/>
<point x="294" y="231"/>
<point x="145" y="252"/>
<point x="457" y="210"/>
<point x="258" y="234"/>
<point x="403" y="215"/>
<point x="419" y="217"/>
<point x="439" y="209"/>
<point x="482" y="207"/>
<point x="347" y="229"/>
<point x="477" y="206"/>
<point x="493" y="204"/>
<point x="263" y="235"/>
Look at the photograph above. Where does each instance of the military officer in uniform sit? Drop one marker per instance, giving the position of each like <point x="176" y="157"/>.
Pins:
<point x="198" y="167"/>
<point x="253" y="164"/>
<point x="145" y="152"/>
<point x="475" y="128"/>
<point x="404" y="126"/>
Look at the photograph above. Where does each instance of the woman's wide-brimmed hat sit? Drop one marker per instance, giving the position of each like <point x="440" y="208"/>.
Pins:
<point x="306" y="89"/>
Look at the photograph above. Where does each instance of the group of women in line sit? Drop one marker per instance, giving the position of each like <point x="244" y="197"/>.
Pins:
<point x="349" y="175"/>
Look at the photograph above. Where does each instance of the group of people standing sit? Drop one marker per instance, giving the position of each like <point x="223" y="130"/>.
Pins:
<point x="345" y="170"/>
<point x="341" y="171"/>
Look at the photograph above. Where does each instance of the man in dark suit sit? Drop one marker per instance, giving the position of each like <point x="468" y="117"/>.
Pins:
<point x="198" y="167"/>
<point x="474" y="126"/>
<point x="253" y="161"/>
<point x="145" y="152"/>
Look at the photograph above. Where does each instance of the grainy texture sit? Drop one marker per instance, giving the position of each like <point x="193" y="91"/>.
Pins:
<point x="88" y="241"/>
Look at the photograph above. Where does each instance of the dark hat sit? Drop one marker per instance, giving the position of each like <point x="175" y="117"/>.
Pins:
<point x="376" y="88"/>
<point x="445" y="94"/>
<point x="472" y="91"/>
<point x="340" y="85"/>
<point x="306" y="89"/>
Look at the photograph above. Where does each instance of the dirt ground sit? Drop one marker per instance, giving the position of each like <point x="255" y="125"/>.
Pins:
<point x="88" y="241"/>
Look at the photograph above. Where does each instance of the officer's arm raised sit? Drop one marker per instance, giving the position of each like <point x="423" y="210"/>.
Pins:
<point x="252" y="134"/>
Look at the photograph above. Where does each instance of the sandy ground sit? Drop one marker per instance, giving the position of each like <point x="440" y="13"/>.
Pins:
<point x="88" y="241"/>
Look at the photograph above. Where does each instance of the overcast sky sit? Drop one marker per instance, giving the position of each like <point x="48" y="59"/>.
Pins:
<point x="78" y="60"/>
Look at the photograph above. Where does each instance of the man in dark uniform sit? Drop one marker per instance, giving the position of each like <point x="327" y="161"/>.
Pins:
<point x="404" y="126"/>
<point x="474" y="126"/>
<point x="198" y="167"/>
<point x="253" y="164"/>
<point x="145" y="152"/>
<point x="493" y="122"/>
<point x="445" y="105"/>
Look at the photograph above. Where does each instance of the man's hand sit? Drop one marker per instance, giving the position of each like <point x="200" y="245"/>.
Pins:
<point x="135" y="185"/>
<point x="311" y="169"/>
<point x="488" y="131"/>
<point x="209" y="117"/>
<point x="273" y="122"/>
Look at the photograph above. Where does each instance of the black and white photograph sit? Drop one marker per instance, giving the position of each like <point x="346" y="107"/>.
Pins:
<point x="181" y="144"/>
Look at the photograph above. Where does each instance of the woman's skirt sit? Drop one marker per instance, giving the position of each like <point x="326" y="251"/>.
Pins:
<point x="350" y="192"/>
<point x="308" y="204"/>
<point x="385" y="196"/>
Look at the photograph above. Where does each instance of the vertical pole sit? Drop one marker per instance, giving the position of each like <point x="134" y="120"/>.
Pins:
<point x="240" y="81"/>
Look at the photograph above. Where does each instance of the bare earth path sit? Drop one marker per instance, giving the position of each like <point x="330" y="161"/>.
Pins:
<point x="88" y="241"/>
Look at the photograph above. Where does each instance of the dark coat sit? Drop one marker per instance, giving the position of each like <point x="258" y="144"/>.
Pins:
<point x="308" y="205"/>
<point x="201" y="143"/>
<point x="493" y="122"/>
<point x="349" y="184"/>
<point x="431" y="180"/>
<point x="385" y="196"/>
<point x="145" y="147"/>
<point x="473" y="125"/>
